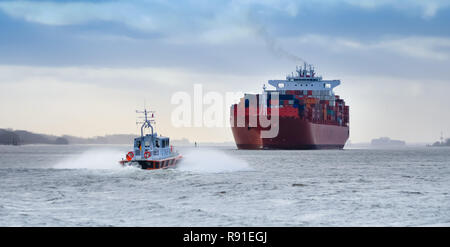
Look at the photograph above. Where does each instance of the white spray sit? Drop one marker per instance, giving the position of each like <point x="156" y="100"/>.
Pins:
<point x="93" y="159"/>
<point x="211" y="161"/>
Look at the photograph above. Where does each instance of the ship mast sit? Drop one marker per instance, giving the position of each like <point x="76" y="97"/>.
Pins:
<point x="148" y="120"/>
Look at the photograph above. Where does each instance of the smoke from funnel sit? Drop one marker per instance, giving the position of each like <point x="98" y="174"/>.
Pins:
<point x="271" y="42"/>
<point x="275" y="47"/>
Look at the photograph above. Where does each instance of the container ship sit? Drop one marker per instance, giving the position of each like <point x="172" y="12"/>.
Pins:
<point x="307" y="112"/>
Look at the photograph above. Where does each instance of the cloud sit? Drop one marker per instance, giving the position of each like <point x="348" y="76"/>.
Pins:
<point x="135" y="79"/>
<point x="163" y="16"/>
<point x="139" y="14"/>
<point x="177" y="22"/>
<point x="213" y="23"/>
<point x="421" y="47"/>
<point x="73" y="13"/>
<point x="428" y="8"/>
<point x="144" y="78"/>
<point x="434" y="48"/>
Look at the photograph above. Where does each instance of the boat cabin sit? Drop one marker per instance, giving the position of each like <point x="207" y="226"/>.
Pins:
<point x="158" y="146"/>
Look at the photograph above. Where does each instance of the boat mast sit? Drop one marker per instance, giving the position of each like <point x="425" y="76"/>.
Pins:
<point x="147" y="122"/>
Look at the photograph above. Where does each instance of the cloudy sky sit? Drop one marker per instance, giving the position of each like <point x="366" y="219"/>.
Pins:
<point x="83" y="67"/>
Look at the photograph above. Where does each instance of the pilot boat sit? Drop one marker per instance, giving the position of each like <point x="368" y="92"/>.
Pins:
<point x="151" y="151"/>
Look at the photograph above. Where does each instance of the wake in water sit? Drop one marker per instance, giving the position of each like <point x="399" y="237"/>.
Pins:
<point x="203" y="161"/>
<point x="211" y="161"/>
<point x="93" y="159"/>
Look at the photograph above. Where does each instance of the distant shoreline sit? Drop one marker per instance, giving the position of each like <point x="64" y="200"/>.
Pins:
<point x="22" y="137"/>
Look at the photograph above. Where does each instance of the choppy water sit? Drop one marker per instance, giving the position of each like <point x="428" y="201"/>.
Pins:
<point x="84" y="186"/>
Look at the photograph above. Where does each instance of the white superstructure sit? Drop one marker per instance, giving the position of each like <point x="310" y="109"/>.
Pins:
<point x="305" y="79"/>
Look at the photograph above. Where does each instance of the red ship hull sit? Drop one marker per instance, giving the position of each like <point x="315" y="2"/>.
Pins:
<point x="294" y="133"/>
<point x="247" y="138"/>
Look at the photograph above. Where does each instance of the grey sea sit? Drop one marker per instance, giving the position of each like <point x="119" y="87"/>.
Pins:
<point x="45" y="185"/>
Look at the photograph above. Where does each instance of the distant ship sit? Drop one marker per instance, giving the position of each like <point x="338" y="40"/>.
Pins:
<point x="311" y="116"/>
<point x="442" y="143"/>
<point x="151" y="151"/>
<point x="387" y="142"/>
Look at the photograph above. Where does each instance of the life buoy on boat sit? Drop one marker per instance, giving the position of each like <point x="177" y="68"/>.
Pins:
<point x="147" y="155"/>
<point x="130" y="156"/>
